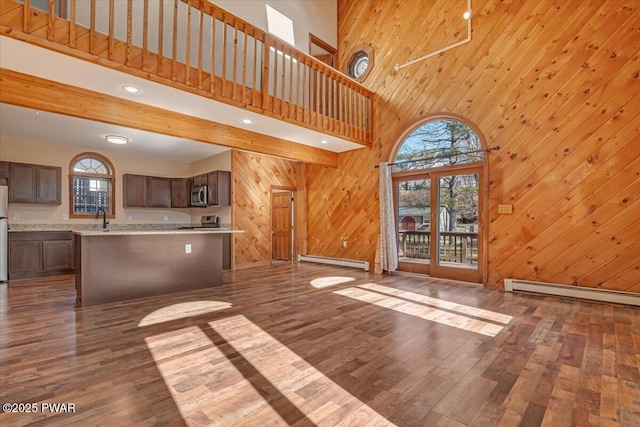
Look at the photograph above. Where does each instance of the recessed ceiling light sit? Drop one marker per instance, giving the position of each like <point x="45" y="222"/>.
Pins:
<point x="324" y="141"/>
<point x="115" y="139"/>
<point x="247" y="121"/>
<point x="467" y="14"/>
<point x="131" y="89"/>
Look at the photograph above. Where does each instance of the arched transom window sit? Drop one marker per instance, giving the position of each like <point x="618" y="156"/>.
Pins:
<point x="91" y="178"/>
<point x="441" y="143"/>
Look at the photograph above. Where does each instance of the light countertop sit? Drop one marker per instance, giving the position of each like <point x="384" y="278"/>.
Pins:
<point x="152" y="232"/>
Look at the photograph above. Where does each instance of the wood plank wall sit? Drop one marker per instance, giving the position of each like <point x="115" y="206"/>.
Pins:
<point x="253" y="176"/>
<point x="554" y="83"/>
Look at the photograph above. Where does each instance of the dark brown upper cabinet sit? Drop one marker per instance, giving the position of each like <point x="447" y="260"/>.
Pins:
<point x="159" y="192"/>
<point x="219" y="186"/>
<point x="179" y="192"/>
<point x="5" y="169"/>
<point x="135" y="191"/>
<point x="49" y="179"/>
<point x="30" y="183"/>
<point x="200" y="180"/>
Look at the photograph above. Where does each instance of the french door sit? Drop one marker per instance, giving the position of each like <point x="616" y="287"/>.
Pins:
<point x="440" y="222"/>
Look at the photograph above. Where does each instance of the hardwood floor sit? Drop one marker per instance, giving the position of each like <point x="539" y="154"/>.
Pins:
<point x="312" y="345"/>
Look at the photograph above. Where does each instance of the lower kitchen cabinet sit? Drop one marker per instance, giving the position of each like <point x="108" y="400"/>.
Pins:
<point x="40" y="253"/>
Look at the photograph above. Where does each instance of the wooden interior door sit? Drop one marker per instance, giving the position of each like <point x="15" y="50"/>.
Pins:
<point x="281" y="232"/>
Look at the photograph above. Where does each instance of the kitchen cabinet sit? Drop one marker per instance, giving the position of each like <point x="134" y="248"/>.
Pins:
<point x="159" y="192"/>
<point x="4" y="169"/>
<point x="35" y="183"/>
<point x="135" y="191"/>
<point x="23" y="183"/>
<point x="49" y="180"/>
<point x="219" y="186"/>
<point x="179" y="192"/>
<point x="40" y="253"/>
<point x="199" y="180"/>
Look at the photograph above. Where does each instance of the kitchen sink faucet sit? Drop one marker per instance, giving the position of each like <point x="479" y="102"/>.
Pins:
<point x="104" y="217"/>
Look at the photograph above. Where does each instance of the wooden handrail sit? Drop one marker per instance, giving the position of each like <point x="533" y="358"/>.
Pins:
<point x="195" y="45"/>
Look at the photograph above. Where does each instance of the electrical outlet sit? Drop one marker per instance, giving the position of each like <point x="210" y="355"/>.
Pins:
<point x="165" y="218"/>
<point x="505" y="209"/>
<point x="344" y="243"/>
<point x="65" y="217"/>
<point x="187" y="249"/>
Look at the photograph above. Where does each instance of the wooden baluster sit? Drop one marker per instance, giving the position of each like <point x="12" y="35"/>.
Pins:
<point x="336" y="123"/>
<point x="265" y="71"/>
<point x="255" y="69"/>
<point x="26" y="16"/>
<point x="299" y="87"/>
<point x="129" y="30"/>
<point x="92" y="28"/>
<point x="318" y="95"/>
<point x="224" y="55"/>
<point x="244" y="63"/>
<point x="291" y="106"/>
<point x="72" y="25"/>
<point x="51" y="20"/>
<point x="234" y="71"/>
<point x="145" y="35"/>
<point x="200" y="43"/>
<point x="174" y="51"/>
<point x="275" y="77"/>
<point x="305" y="117"/>
<point x="111" y="28"/>
<point x="212" y="83"/>
<point x="187" y="71"/>
<point x="283" y="81"/>
<point x="160" y="37"/>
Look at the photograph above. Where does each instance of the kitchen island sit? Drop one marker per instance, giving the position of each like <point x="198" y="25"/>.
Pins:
<point x="118" y="265"/>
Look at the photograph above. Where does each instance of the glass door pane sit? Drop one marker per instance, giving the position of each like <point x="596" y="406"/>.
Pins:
<point x="414" y="213"/>
<point x="458" y="208"/>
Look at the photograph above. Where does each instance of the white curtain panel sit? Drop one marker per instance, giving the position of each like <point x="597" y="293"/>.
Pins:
<point x="388" y="245"/>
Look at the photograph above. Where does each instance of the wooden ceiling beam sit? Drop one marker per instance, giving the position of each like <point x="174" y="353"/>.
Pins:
<point x="33" y="92"/>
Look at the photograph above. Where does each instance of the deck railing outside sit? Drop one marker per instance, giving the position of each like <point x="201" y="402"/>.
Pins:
<point x="197" y="46"/>
<point x="454" y="246"/>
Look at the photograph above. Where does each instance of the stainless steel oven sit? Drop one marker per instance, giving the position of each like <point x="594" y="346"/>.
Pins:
<point x="199" y="196"/>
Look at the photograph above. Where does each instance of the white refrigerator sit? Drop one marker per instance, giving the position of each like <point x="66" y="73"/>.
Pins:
<point x="4" y="229"/>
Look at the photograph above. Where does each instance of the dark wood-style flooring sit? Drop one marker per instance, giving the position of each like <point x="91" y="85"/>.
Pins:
<point x="312" y="345"/>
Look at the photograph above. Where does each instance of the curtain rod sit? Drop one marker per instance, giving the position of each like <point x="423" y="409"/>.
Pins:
<point x="444" y="156"/>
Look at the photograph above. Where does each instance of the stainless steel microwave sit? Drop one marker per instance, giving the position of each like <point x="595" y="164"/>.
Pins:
<point x="199" y="196"/>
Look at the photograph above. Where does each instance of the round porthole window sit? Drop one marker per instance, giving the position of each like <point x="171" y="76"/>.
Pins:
<point x="360" y="62"/>
<point x="359" y="65"/>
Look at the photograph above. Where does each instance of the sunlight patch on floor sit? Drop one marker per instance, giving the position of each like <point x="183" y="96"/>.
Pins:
<point x="251" y="379"/>
<point x="205" y="385"/>
<point x="422" y="311"/>
<point x="325" y="282"/>
<point x="182" y="310"/>
<point x="321" y="400"/>
<point x="440" y="303"/>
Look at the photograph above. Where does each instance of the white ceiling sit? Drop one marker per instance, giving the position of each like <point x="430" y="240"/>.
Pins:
<point x="18" y="122"/>
<point x="25" y="124"/>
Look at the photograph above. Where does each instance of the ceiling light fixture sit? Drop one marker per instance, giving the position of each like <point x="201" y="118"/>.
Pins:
<point x="247" y="121"/>
<point x="324" y="141"/>
<point x="115" y="139"/>
<point x="131" y="89"/>
<point x="467" y="14"/>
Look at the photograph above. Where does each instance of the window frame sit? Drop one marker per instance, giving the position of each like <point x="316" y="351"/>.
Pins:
<point x="111" y="177"/>
<point x="482" y="168"/>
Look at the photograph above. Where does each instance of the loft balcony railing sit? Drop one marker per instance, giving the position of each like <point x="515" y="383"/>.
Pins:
<point x="196" y="46"/>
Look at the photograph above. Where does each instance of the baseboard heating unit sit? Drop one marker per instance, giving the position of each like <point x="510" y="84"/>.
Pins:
<point x="604" y="295"/>
<point x="335" y="261"/>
